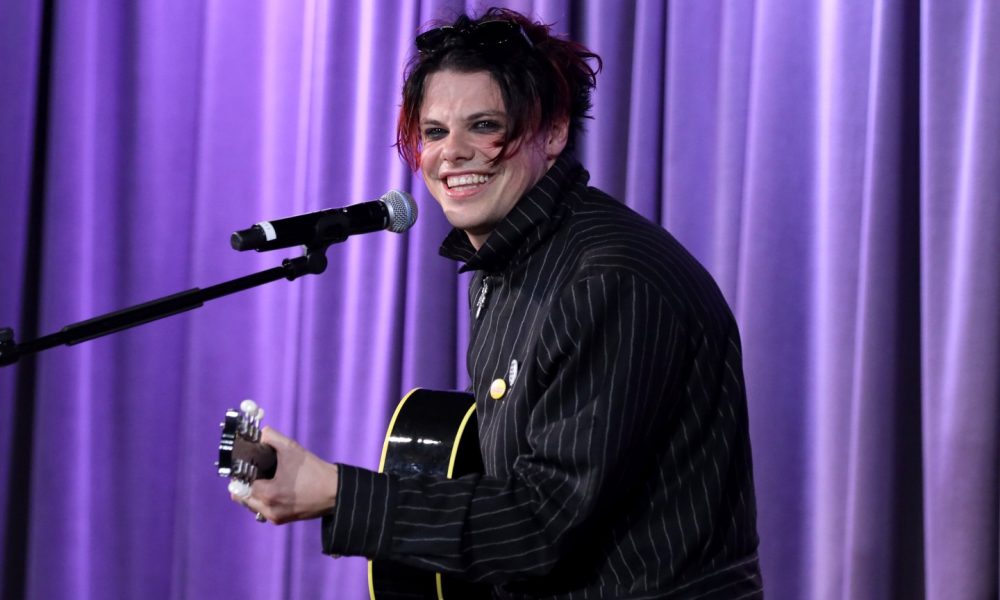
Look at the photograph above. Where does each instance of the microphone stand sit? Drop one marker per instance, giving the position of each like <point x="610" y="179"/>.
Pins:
<point x="313" y="262"/>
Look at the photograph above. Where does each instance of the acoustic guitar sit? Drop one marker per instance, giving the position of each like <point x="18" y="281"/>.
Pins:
<point x="431" y="432"/>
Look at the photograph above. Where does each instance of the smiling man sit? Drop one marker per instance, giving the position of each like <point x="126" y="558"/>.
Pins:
<point x="605" y="362"/>
<point x="463" y="125"/>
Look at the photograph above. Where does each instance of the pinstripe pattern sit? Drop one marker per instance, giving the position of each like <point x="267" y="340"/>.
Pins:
<point x="618" y="460"/>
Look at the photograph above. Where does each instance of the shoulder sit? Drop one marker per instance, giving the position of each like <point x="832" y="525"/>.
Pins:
<point x="609" y="239"/>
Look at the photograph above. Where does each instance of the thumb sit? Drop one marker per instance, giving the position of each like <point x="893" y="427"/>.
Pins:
<point x="273" y="437"/>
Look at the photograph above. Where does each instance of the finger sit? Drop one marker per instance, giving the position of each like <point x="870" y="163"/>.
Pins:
<point x="253" y="505"/>
<point x="273" y="437"/>
<point x="244" y="502"/>
<point x="263" y="489"/>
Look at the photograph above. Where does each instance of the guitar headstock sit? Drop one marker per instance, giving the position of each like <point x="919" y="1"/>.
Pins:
<point x="242" y="458"/>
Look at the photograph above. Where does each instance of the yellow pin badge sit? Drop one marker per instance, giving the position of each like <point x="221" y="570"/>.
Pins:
<point x="499" y="387"/>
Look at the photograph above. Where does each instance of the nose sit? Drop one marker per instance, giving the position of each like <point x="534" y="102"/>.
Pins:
<point x="457" y="148"/>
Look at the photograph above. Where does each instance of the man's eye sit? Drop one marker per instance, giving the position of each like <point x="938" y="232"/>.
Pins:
<point x="487" y="126"/>
<point x="434" y="133"/>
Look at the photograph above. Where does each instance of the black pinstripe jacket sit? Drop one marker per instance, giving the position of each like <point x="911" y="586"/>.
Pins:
<point x="617" y="459"/>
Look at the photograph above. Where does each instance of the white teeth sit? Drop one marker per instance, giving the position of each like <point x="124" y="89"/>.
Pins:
<point x="457" y="180"/>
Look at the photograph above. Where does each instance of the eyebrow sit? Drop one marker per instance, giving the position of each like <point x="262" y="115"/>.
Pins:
<point x="473" y="117"/>
<point x="486" y="113"/>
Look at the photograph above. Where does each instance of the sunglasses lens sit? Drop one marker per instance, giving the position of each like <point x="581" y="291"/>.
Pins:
<point x="431" y="40"/>
<point x="495" y="33"/>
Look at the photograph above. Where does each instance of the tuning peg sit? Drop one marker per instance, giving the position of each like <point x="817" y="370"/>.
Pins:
<point x="249" y="407"/>
<point x="240" y="489"/>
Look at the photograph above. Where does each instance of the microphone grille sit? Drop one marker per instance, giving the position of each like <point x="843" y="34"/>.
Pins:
<point x="402" y="210"/>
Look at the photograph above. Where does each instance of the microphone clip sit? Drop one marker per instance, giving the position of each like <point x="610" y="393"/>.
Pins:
<point x="312" y="262"/>
<point x="331" y="228"/>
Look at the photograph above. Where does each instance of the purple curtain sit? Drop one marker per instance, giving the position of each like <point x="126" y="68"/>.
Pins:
<point x="836" y="165"/>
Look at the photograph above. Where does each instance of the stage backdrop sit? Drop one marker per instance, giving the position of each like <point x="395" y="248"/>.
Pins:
<point x="835" y="165"/>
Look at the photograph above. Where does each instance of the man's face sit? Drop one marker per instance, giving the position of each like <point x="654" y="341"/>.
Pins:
<point x="462" y="124"/>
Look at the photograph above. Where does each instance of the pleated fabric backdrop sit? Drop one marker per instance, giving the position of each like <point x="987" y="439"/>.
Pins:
<point x="835" y="165"/>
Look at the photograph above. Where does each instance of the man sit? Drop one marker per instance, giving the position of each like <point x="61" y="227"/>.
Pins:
<point x="605" y="363"/>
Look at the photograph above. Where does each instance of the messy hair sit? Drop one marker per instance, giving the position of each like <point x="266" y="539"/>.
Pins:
<point x="547" y="83"/>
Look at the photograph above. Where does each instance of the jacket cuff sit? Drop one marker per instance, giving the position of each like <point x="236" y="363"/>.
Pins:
<point x="360" y="523"/>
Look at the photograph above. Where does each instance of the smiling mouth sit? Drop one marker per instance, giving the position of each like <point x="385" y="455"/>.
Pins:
<point x="462" y="182"/>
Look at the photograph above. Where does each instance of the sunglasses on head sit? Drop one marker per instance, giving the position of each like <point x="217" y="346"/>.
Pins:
<point x="491" y="36"/>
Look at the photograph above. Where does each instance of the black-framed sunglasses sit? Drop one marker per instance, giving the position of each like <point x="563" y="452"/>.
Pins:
<point x="491" y="36"/>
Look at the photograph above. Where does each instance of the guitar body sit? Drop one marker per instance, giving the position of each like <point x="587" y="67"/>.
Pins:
<point x="432" y="433"/>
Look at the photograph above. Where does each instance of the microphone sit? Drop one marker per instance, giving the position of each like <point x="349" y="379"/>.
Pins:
<point x="395" y="211"/>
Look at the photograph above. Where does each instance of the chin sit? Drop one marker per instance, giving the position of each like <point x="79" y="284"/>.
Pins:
<point x="461" y="222"/>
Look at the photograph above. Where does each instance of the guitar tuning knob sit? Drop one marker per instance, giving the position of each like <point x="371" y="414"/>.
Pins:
<point x="240" y="489"/>
<point x="249" y="407"/>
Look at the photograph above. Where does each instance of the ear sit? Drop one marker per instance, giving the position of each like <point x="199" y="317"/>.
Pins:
<point x="558" y="136"/>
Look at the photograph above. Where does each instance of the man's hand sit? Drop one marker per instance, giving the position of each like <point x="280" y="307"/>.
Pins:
<point x="304" y="486"/>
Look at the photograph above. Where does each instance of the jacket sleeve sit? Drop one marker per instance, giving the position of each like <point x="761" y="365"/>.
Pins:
<point x="610" y="351"/>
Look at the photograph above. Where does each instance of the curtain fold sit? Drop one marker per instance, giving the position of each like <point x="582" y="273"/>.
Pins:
<point x="960" y="323"/>
<point x="21" y="47"/>
<point x="835" y="165"/>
